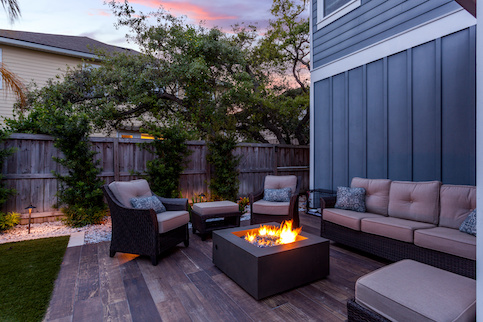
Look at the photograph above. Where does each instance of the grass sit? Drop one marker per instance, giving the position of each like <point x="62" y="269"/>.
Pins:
<point x="28" y="270"/>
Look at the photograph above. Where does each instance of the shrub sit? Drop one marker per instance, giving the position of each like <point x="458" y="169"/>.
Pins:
<point x="170" y="150"/>
<point x="224" y="183"/>
<point x="9" y="220"/>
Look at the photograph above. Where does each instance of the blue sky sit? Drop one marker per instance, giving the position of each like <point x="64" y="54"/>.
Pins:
<point x="93" y="18"/>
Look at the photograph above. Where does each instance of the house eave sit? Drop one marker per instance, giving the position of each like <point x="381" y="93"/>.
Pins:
<point x="48" y="49"/>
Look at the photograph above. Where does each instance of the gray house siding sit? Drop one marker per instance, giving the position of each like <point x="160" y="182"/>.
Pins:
<point x="373" y="21"/>
<point x="409" y="116"/>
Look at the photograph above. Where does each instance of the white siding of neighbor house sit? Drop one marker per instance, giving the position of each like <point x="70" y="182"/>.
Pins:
<point x="31" y="66"/>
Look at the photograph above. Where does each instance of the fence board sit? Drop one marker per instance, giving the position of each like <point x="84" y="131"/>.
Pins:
<point x="29" y="170"/>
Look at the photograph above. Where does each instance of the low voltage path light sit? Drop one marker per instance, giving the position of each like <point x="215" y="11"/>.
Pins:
<point x="30" y="213"/>
<point x="202" y="195"/>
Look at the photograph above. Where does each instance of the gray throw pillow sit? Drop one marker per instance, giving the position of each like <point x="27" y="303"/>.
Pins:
<point x="351" y="199"/>
<point x="148" y="203"/>
<point x="469" y="224"/>
<point x="278" y="195"/>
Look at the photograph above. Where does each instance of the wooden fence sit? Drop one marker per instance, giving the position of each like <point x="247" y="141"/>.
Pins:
<point x="29" y="170"/>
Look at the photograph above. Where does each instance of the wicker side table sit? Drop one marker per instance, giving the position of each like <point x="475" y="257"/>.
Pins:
<point x="226" y="212"/>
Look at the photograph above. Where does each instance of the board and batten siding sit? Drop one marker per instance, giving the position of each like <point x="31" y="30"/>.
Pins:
<point x="409" y="116"/>
<point x="31" y="66"/>
<point x="373" y="21"/>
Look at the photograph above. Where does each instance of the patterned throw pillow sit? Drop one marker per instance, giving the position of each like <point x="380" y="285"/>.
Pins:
<point x="148" y="203"/>
<point x="351" y="199"/>
<point x="469" y="224"/>
<point x="278" y="195"/>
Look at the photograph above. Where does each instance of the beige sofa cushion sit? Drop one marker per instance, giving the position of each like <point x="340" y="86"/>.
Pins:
<point x="279" y="182"/>
<point x="170" y="220"/>
<point x="347" y="218"/>
<point x="417" y="201"/>
<point x="395" y="228"/>
<point x="411" y="291"/>
<point x="447" y="240"/>
<point x="271" y="207"/>
<point x="456" y="203"/>
<point x="215" y="207"/>
<point x="377" y="193"/>
<point x="125" y="190"/>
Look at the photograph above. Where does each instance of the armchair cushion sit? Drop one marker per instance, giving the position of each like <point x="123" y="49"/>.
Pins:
<point x="271" y="208"/>
<point x="277" y="195"/>
<point x="148" y="203"/>
<point x="170" y="220"/>
<point x="125" y="190"/>
<point x="279" y="182"/>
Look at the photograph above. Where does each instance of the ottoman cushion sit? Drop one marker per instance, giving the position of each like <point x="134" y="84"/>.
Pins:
<point x="411" y="291"/>
<point x="215" y="207"/>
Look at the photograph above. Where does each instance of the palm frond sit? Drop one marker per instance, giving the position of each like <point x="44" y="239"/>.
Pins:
<point x="12" y="9"/>
<point x="13" y="83"/>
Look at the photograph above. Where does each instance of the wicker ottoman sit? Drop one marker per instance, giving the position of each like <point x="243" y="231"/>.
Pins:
<point x="412" y="291"/>
<point x="203" y="216"/>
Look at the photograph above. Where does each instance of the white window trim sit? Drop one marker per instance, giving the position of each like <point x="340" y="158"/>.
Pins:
<point x="345" y="9"/>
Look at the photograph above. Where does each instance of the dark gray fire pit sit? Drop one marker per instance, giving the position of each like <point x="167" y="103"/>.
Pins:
<point x="263" y="272"/>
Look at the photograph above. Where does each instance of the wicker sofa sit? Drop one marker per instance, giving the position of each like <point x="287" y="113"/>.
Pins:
<point x="408" y="220"/>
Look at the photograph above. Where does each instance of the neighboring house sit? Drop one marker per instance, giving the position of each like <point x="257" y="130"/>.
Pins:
<point x="393" y="91"/>
<point x="36" y="57"/>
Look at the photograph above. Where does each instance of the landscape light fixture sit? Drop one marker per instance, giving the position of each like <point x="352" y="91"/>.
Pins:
<point x="30" y="213"/>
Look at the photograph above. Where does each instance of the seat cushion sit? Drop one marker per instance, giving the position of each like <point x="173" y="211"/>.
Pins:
<point x="447" y="240"/>
<point x="271" y="208"/>
<point x="279" y="182"/>
<point x="215" y="207"/>
<point x="377" y="193"/>
<point x="456" y="203"/>
<point x="347" y="218"/>
<point x="170" y="220"/>
<point x="412" y="291"/>
<point x="125" y="190"/>
<point x="417" y="201"/>
<point x="396" y="228"/>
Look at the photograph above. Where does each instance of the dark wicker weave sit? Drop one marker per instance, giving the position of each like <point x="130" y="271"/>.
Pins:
<point x="395" y="250"/>
<point x="256" y="218"/>
<point x="136" y="231"/>
<point x="359" y="313"/>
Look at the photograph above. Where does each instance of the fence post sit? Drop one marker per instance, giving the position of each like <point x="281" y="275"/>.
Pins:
<point x="115" y="153"/>
<point x="275" y="160"/>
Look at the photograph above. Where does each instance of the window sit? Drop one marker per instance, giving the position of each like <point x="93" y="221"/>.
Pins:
<point x="331" y="10"/>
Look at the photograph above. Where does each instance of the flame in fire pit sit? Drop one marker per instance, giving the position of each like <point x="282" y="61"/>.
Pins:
<point x="267" y="236"/>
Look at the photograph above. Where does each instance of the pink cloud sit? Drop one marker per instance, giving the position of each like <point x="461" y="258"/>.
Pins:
<point x="99" y="12"/>
<point x="191" y="10"/>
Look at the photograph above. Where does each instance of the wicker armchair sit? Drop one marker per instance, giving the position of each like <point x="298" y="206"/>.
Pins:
<point x="142" y="231"/>
<point x="262" y="211"/>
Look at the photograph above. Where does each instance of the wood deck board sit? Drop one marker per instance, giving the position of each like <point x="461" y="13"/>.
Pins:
<point x="186" y="285"/>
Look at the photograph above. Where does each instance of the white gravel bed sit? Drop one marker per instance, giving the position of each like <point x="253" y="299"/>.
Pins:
<point x="93" y="233"/>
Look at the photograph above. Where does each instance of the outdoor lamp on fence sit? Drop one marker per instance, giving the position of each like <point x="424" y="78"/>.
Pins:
<point x="30" y="213"/>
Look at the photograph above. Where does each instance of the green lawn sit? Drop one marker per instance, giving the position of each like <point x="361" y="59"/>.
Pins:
<point x="28" y="270"/>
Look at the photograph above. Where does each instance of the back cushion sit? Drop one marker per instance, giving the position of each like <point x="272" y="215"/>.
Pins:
<point x="417" y="201"/>
<point x="125" y="190"/>
<point x="279" y="182"/>
<point x="456" y="203"/>
<point x="377" y="193"/>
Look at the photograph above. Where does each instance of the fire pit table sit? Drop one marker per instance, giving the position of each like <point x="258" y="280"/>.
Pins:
<point x="263" y="272"/>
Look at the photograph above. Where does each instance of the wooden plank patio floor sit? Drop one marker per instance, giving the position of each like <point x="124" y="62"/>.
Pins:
<point x="186" y="286"/>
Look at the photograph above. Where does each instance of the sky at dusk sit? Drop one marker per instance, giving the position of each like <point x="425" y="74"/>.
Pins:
<point x="93" y="18"/>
